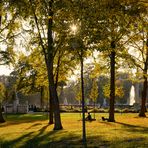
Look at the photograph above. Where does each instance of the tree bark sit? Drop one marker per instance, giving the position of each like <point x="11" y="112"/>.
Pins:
<point x="83" y="102"/>
<point x="112" y="83"/>
<point x="55" y="101"/>
<point x="144" y="91"/>
<point x="1" y="115"/>
<point x="50" y="110"/>
<point x="143" y="99"/>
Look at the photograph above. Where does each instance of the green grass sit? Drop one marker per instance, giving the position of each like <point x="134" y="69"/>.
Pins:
<point x="33" y="131"/>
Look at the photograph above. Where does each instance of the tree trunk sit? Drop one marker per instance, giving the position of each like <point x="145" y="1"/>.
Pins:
<point x="52" y="86"/>
<point x="112" y="84"/>
<point x="83" y="102"/>
<point x="55" y="101"/>
<point x="51" y="109"/>
<point x="143" y="99"/>
<point x="1" y="115"/>
<point x="144" y="91"/>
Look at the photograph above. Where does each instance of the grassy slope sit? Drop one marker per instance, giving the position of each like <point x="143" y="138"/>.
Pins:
<point x="32" y="130"/>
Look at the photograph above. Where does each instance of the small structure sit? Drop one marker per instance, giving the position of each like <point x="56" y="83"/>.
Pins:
<point x="16" y="107"/>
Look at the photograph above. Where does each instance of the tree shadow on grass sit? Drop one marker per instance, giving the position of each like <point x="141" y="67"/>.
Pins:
<point x="50" y="139"/>
<point x="108" y="123"/>
<point x="61" y="139"/>
<point x="34" y="125"/>
<point x="41" y="139"/>
<point x="133" y="128"/>
<point x="64" y="139"/>
<point x="27" y="136"/>
<point x="8" y="144"/>
<point x="11" y="123"/>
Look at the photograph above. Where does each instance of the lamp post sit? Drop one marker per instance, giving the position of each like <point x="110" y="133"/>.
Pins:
<point x="77" y="44"/>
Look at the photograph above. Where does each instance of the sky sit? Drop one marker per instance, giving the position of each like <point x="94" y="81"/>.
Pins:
<point x="5" y="70"/>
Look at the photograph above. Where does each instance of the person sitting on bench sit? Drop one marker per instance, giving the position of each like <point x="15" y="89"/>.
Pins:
<point x="89" y="118"/>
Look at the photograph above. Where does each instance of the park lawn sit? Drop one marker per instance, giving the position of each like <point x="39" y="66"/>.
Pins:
<point x="33" y="131"/>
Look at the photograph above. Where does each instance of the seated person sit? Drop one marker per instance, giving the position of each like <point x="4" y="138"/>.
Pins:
<point x="89" y="118"/>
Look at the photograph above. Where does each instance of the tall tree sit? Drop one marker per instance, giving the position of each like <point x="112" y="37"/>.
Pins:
<point x="49" y="53"/>
<point x="138" y="54"/>
<point x="142" y="62"/>
<point x="112" y="27"/>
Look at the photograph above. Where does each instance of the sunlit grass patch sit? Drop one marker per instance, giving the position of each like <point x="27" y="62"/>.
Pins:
<point x="33" y="130"/>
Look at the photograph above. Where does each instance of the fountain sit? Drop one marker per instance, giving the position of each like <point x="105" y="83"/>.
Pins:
<point x="104" y="102"/>
<point x="16" y="103"/>
<point x="132" y="96"/>
<point x="65" y="101"/>
<point x="16" y="98"/>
